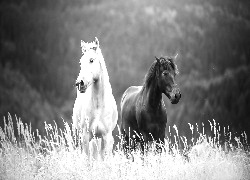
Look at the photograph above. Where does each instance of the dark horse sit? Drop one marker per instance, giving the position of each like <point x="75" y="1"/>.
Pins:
<point x="143" y="111"/>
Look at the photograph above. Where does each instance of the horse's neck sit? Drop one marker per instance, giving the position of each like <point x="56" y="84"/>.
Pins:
<point x="98" y="92"/>
<point x="152" y="97"/>
<point x="100" y="89"/>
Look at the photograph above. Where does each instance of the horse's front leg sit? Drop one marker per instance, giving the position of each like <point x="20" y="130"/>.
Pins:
<point x="94" y="148"/>
<point x="143" y="142"/>
<point x="159" y="146"/>
<point x="106" y="145"/>
<point x="85" y="143"/>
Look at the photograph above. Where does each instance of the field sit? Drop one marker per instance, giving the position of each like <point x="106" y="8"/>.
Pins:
<point x="27" y="155"/>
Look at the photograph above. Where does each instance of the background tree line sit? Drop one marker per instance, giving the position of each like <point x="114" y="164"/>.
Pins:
<point x="40" y="52"/>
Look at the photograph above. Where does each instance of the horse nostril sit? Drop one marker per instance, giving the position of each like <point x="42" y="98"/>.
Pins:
<point x="178" y="95"/>
<point x="82" y="83"/>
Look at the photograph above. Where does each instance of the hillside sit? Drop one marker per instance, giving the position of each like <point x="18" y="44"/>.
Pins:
<point x="40" y="51"/>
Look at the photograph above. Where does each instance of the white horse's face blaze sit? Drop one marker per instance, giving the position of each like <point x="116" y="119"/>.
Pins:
<point x="90" y="66"/>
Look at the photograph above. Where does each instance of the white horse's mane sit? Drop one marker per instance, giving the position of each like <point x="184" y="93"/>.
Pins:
<point x="107" y="85"/>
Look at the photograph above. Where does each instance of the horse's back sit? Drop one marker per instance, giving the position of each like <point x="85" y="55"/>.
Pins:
<point x="130" y="93"/>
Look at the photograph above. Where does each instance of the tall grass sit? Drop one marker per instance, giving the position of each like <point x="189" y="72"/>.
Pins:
<point x="24" y="154"/>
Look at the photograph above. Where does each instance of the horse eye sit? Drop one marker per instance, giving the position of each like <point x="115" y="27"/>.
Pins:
<point x="91" y="60"/>
<point x="165" y="73"/>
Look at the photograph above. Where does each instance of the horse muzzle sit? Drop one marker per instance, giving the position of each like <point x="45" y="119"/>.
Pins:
<point x="175" y="96"/>
<point x="81" y="86"/>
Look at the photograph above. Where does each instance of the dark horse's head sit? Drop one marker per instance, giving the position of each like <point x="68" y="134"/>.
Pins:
<point x="166" y="72"/>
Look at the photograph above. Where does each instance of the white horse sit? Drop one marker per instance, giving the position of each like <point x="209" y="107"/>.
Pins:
<point x="95" y="111"/>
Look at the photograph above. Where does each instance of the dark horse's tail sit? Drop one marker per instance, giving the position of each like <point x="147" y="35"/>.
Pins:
<point x="121" y="103"/>
<point x="122" y="99"/>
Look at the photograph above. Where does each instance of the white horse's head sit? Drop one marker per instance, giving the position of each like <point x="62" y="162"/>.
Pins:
<point x="90" y="65"/>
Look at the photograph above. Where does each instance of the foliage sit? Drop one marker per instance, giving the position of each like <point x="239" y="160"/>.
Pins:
<point x="18" y="96"/>
<point x="40" y="51"/>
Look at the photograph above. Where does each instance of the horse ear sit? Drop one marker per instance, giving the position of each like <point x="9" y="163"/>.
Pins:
<point x="96" y="42"/>
<point x="157" y="59"/>
<point x="82" y="43"/>
<point x="83" y="46"/>
<point x="175" y="57"/>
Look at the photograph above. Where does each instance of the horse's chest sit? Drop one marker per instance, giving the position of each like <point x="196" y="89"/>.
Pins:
<point x="89" y="106"/>
<point x="85" y="109"/>
<point x="153" y="122"/>
<point x="97" y="120"/>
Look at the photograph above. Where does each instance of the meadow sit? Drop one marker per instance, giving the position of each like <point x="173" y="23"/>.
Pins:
<point x="25" y="154"/>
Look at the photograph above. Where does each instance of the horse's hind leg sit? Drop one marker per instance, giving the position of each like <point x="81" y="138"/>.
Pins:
<point x="125" y="142"/>
<point x="127" y="146"/>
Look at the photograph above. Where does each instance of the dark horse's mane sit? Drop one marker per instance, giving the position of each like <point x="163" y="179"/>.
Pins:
<point x="152" y="74"/>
